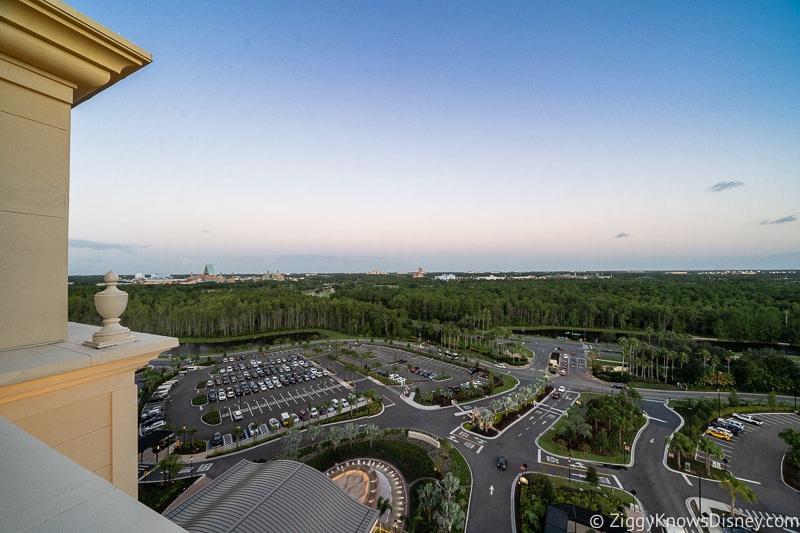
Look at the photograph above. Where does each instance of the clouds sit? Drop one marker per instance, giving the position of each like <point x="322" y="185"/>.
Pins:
<point x="782" y="220"/>
<point x="724" y="186"/>
<point x="622" y="235"/>
<point x="105" y="246"/>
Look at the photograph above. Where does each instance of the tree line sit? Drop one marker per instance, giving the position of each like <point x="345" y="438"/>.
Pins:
<point x="744" y="308"/>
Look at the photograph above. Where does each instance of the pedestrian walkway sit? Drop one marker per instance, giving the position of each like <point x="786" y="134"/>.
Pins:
<point x="367" y="480"/>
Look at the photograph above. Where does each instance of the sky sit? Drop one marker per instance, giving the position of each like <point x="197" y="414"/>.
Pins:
<point x="456" y="136"/>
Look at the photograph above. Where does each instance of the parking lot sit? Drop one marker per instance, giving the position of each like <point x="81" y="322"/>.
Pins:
<point x="421" y="371"/>
<point x="259" y="393"/>
<point x="733" y="456"/>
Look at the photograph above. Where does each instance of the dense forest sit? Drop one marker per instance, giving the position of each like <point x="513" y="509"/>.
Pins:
<point x="655" y="319"/>
<point x="760" y="308"/>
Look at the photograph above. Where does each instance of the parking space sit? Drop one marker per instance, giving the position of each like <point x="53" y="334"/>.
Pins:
<point x="729" y="433"/>
<point x="405" y="367"/>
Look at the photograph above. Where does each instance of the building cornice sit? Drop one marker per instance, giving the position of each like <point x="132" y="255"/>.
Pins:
<point x="54" y="39"/>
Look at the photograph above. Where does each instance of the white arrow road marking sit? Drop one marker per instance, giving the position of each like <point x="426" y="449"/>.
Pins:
<point x="491" y="490"/>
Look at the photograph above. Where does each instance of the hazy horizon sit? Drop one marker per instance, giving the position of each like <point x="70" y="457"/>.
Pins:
<point x="452" y="136"/>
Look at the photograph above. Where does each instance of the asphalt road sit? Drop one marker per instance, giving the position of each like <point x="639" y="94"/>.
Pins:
<point x="754" y="457"/>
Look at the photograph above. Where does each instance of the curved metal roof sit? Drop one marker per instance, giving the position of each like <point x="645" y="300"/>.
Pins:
<point x="284" y="496"/>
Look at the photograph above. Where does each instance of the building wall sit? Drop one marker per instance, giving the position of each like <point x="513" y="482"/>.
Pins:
<point x="34" y="182"/>
<point x="79" y="400"/>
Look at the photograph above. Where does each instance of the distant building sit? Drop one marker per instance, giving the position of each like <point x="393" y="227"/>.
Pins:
<point x="209" y="270"/>
<point x="445" y="277"/>
<point x="419" y="273"/>
<point x="273" y="276"/>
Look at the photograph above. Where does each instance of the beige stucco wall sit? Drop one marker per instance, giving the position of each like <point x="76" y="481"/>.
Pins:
<point x="80" y="401"/>
<point x="51" y="59"/>
<point x="34" y="197"/>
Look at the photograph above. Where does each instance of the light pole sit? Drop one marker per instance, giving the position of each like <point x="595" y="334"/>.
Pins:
<point x="569" y="464"/>
<point x="700" y="495"/>
<point x="719" y="405"/>
<point x="191" y="467"/>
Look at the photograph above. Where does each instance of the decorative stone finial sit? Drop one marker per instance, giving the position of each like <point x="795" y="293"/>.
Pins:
<point x="111" y="303"/>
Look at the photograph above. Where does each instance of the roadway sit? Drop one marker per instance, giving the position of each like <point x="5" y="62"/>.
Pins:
<point x="756" y="457"/>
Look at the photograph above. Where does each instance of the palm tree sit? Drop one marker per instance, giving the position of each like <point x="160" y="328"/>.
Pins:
<point x="314" y="431"/>
<point x="371" y="431"/>
<point x="170" y="466"/>
<point x="450" y="515"/>
<point x="290" y="442"/>
<point x="681" y="444"/>
<point x="384" y="505"/>
<point x="430" y="495"/>
<point x="237" y="434"/>
<point x="450" y="485"/>
<point x="737" y="486"/>
<point x="336" y="436"/>
<point x="709" y="449"/>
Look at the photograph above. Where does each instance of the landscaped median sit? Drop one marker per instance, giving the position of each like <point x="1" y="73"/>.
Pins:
<point x="597" y="428"/>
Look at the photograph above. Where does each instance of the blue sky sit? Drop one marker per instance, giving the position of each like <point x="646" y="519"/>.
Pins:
<point x="452" y="136"/>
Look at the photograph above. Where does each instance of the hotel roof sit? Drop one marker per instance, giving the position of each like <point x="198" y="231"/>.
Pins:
<point x="273" y="496"/>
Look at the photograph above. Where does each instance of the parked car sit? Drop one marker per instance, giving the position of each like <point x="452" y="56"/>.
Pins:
<point x="274" y="424"/>
<point x="732" y="425"/>
<point x="217" y="440"/>
<point x="154" y="426"/>
<point x="237" y="415"/>
<point x="304" y="414"/>
<point x="717" y="432"/>
<point x="314" y="412"/>
<point x="345" y="403"/>
<point x="562" y="389"/>
<point x="747" y="418"/>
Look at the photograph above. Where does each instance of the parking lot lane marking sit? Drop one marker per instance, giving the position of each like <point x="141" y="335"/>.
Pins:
<point x="687" y="480"/>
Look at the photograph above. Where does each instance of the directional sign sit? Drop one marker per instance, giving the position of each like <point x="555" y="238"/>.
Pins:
<point x="491" y="490"/>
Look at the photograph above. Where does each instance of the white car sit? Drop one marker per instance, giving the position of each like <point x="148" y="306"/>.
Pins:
<point x="562" y="389"/>
<point x="314" y="412"/>
<point x="747" y="418"/>
<point x="237" y="415"/>
<point x="154" y="426"/>
<point x="221" y="395"/>
<point x="500" y="365"/>
<point x="345" y="403"/>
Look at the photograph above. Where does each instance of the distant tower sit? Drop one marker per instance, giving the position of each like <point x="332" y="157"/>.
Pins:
<point x="209" y="270"/>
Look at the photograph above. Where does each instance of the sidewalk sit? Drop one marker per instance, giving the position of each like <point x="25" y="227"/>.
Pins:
<point x="708" y="507"/>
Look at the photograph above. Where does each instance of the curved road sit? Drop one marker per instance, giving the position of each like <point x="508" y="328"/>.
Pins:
<point x="658" y="489"/>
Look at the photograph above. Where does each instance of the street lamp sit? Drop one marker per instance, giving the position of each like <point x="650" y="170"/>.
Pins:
<point x="191" y="467"/>
<point x="719" y="403"/>
<point x="569" y="464"/>
<point x="700" y="495"/>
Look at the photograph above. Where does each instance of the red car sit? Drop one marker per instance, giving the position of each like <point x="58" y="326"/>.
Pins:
<point x="563" y="372"/>
<point x="555" y="395"/>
